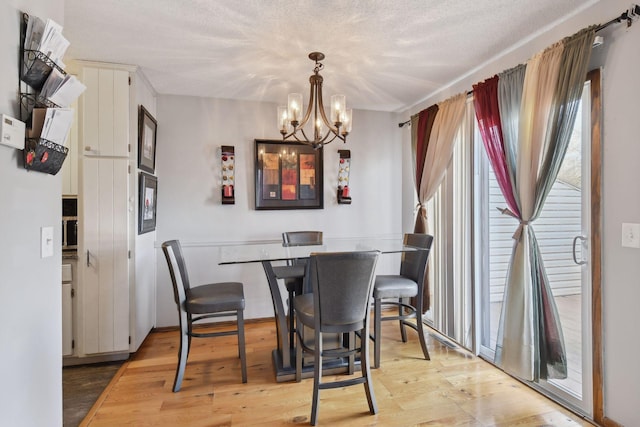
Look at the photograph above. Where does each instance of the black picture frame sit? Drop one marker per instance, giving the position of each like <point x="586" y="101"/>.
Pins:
<point x="147" y="131"/>
<point x="288" y="175"/>
<point x="147" y="202"/>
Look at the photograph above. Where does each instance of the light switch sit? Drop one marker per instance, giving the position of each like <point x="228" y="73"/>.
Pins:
<point x="630" y="235"/>
<point x="46" y="242"/>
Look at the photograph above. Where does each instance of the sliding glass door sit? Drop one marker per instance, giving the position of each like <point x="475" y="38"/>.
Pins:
<point x="565" y="235"/>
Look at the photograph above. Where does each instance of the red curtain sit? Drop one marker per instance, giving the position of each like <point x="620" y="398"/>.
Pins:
<point x="485" y="101"/>
<point x="421" y="131"/>
<point x="421" y="135"/>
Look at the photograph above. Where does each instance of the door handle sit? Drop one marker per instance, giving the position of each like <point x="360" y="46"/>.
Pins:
<point x="575" y="258"/>
<point x="88" y="258"/>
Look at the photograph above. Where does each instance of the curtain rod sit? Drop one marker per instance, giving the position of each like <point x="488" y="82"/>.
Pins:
<point x="628" y="15"/>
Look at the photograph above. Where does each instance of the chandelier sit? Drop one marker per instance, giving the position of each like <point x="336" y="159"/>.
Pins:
<point x="324" y="130"/>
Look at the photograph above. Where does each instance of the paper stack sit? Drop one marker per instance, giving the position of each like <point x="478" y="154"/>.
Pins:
<point x="52" y="124"/>
<point x="46" y="37"/>
<point x="61" y="89"/>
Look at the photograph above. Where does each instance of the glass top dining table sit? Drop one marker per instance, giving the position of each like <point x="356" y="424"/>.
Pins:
<point x="260" y="252"/>
<point x="268" y="253"/>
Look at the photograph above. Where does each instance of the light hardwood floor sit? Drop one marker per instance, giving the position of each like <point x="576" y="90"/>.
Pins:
<point x="454" y="388"/>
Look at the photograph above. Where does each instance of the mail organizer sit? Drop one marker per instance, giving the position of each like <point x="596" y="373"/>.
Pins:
<point x="48" y="127"/>
<point x="228" y="173"/>
<point x="36" y="68"/>
<point x="344" y="165"/>
<point x="43" y="155"/>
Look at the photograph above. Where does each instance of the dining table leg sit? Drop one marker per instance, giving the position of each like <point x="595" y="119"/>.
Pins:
<point x="280" y="315"/>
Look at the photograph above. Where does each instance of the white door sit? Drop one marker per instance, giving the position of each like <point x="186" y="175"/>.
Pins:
<point x="104" y="287"/>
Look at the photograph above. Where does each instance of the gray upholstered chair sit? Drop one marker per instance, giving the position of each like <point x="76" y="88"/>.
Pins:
<point x="342" y="284"/>
<point x="202" y="302"/>
<point x="396" y="290"/>
<point x="293" y="272"/>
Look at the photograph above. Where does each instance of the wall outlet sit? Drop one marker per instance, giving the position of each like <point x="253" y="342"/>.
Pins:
<point x="46" y="242"/>
<point x="630" y="235"/>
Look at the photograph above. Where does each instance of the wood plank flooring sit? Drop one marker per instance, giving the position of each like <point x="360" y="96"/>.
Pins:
<point x="454" y="388"/>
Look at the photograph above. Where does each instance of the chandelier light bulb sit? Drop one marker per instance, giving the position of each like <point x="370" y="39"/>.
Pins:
<point x="283" y="120"/>
<point x="337" y="108"/>
<point x="295" y="108"/>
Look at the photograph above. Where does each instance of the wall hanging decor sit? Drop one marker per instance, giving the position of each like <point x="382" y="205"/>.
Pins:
<point x="344" y="166"/>
<point x="147" y="203"/>
<point x="228" y="174"/>
<point x="288" y="175"/>
<point x="147" y="130"/>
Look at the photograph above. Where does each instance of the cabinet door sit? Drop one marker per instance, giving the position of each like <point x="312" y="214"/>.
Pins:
<point x="70" y="165"/>
<point x="105" y="112"/>
<point x="67" y="320"/>
<point x="105" y="263"/>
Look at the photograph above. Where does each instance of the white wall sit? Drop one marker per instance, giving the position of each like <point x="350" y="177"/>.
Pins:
<point x="143" y="291"/>
<point x="30" y="287"/>
<point x="190" y="133"/>
<point x="621" y="201"/>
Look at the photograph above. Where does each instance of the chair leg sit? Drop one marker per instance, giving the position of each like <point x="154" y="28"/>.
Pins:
<point x="241" y="347"/>
<point x="423" y="340"/>
<point x="183" y="354"/>
<point x="366" y="373"/>
<point x="377" y="329"/>
<point x="403" y="328"/>
<point x="298" y="358"/>
<point x="291" y="320"/>
<point x="317" y="376"/>
<point x="189" y="329"/>
<point x="351" y="342"/>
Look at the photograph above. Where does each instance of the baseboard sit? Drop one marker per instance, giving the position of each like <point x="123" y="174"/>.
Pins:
<point x="608" y="422"/>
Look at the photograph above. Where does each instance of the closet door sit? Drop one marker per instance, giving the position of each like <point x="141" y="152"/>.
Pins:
<point x="105" y="285"/>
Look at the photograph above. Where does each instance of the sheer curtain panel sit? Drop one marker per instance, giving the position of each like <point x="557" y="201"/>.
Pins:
<point x="540" y="102"/>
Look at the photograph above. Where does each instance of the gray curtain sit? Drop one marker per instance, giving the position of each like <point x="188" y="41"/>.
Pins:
<point x="538" y="103"/>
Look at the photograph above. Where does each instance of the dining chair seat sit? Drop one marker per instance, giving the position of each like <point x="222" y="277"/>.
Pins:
<point x="304" y="308"/>
<point x="289" y="271"/>
<point x="393" y="286"/>
<point x="211" y="298"/>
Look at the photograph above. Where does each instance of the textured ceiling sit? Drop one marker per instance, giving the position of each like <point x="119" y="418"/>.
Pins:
<point x="382" y="54"/>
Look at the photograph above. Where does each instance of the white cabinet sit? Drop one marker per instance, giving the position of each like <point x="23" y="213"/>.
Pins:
<point x="104" y="259"/>
<point x="70" y="166"/>
<point x="105" y="112"/>
<point x="105" y="211"/>
<point x="112" y="312"/>
<point x="67" y="309"/>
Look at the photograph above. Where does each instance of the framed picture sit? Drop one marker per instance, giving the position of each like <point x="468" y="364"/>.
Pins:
<point x="147" y="127"/>
<point x="148" y="201"/>
<point x="288" y="175"/>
